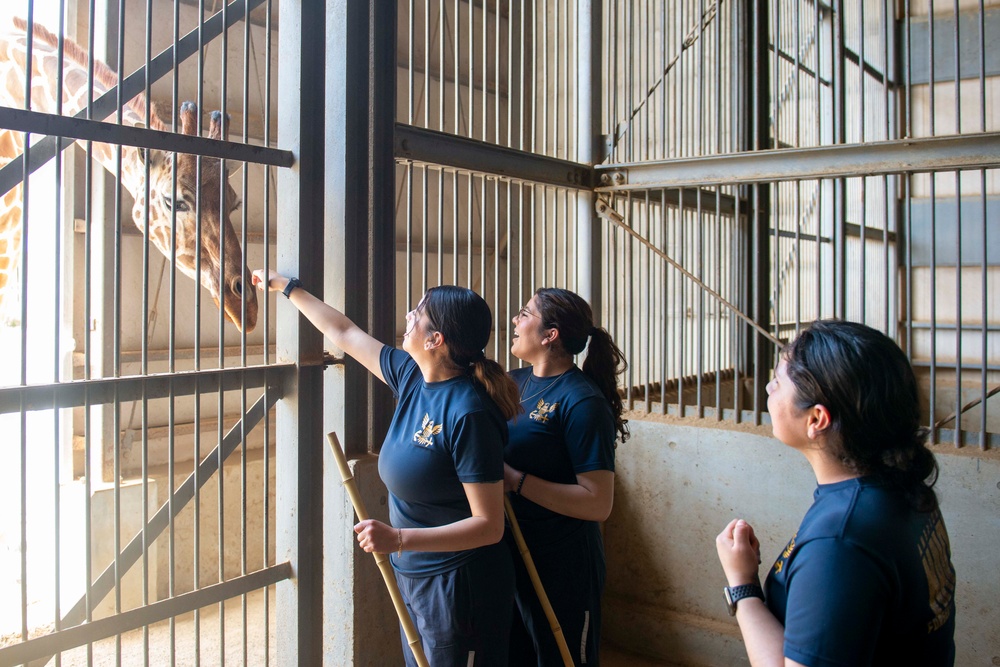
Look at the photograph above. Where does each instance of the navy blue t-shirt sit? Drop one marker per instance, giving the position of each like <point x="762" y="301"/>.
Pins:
<point x="866" y="580"/>
<point x="443" y="434"/>
<point x="566" y="428"/>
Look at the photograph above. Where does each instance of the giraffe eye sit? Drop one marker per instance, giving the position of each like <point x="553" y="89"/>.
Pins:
<point x="178" y="205"/>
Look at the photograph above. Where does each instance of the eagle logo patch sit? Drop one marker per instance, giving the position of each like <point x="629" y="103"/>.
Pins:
<point x="425" y="436"/>
<point x="543" y="411"/>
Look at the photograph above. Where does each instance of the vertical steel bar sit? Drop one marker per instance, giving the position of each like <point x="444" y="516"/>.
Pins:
<point x="408" y="185"/>
<point x="58" y="307"/>
<point x="496" y="256"/>
<point x="472" y="99"/>
<point x="932" y="409"/>
<point x="454" y="226"/>
<point x="840" y="137"/>
<point x="410" y="65"/>
<point x="266" y="457"/>
<point x="546" y="90"/>
<point x="557" y="90"/>
<point x="440" y="225"/>
<point x="424" y="241"/>
<point x="983" y="286"/>
<point x="486" y="99"/>
<point x="648" y="294"/>
<point x="441" y="67"/>
<point x="959" y="325"/>
<point x="22" y="415"/>
<point x="117" y="430"/>
<point x="497" y="41"/>
<point x="426" y="95"/>
<point x="88" y="270"/>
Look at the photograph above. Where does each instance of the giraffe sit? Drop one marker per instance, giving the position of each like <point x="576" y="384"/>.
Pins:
<point x="217" y="237"/>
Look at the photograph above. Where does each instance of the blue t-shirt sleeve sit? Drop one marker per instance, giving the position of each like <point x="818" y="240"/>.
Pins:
<point x="477" y="448"/>
<point x="590" y="435"/>
<point x="835" y="591"/>
<point x="397" y="368"/>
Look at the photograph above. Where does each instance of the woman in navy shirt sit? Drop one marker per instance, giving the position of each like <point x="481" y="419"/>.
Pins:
<point x="442" y="462"/>
<point x="867" y="579"/>
<point x="560" y="470"/>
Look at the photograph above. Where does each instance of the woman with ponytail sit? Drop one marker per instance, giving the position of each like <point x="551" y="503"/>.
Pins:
<point x="560" y="471"/>
<point x="442" y="462"/>
<point x="867" y="579"/>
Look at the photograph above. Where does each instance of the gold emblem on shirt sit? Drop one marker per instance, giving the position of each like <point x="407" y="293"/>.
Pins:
<point x="425" y="436"/>
<point x="935" y="553"/>
<point x="783" y="558"/>
<point x="543" y="411"/>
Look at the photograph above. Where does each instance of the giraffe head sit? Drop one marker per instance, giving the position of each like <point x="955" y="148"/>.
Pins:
<point x="222" y="269"/>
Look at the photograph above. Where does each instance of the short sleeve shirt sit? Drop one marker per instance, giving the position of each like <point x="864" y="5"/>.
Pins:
<point x="566" y="428"/>
<point x="442" y="435"/>
<point x="866" y="580"/>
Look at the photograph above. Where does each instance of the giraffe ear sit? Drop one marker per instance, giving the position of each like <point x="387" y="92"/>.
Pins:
<point x="156" y="157"/>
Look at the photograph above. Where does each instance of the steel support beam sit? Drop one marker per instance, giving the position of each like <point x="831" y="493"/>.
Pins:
<point x="300" y="474"/>
<point x="449" y="151"/>
<point x="978" y="151"/>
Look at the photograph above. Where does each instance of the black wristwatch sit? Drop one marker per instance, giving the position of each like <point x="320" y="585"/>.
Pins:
<point x="736" y="593"/>
<point x="292" y="284"/>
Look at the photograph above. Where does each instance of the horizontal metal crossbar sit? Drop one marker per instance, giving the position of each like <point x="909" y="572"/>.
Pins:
<point x="92" y="130"/>
<point x="63" y="640"/>
<point x="447" y="150"/>
<point x="107" y="390"/>
<point x="974" y="151"/>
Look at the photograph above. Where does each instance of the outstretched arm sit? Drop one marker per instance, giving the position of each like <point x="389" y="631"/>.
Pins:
<point x="336" y="326"/>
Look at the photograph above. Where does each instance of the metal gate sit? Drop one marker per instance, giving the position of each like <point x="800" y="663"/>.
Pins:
<point x="139" y="166"/>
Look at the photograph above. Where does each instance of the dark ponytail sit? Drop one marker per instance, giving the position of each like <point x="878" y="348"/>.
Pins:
<point x="867" y="384"/>
<point x="571" y="315"/>
<point x="501" y="388"/>
<point x="465" y="321"/>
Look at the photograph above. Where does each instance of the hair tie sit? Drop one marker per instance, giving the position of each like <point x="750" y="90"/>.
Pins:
<point x="593" y="331"/>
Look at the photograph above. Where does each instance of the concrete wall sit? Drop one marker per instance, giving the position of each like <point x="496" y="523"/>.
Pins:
<point x="679" y="484"/>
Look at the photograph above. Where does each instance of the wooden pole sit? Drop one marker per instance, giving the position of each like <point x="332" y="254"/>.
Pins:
<point x="529" y="564"/>
<point x="384" y="566"/>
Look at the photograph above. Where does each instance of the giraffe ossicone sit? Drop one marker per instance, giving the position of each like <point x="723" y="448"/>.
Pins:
<point x="209" y="252"/>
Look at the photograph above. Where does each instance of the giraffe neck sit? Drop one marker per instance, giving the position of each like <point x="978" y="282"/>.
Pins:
<point x="75" y="92"/>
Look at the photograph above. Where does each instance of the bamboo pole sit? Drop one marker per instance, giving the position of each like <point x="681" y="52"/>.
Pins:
<point x="384" y="566"/>
<point x="529" y="564"/>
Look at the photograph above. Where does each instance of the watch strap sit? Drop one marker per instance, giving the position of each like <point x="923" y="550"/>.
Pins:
<point x="736" y="593"/>
<point x="292" y="284"/>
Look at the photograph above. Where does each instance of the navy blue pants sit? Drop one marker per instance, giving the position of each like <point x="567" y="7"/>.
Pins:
<point x="572" y="572"/>
<point x="463" y="616"/>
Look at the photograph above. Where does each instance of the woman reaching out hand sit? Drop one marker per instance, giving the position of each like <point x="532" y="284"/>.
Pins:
<point x="442" y="463"/>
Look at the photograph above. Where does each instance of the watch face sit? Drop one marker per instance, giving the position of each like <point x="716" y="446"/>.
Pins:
<point x="730" y="605"/>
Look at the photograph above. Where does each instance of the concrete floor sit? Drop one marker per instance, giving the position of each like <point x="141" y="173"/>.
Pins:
<point x="134" y="647"/>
